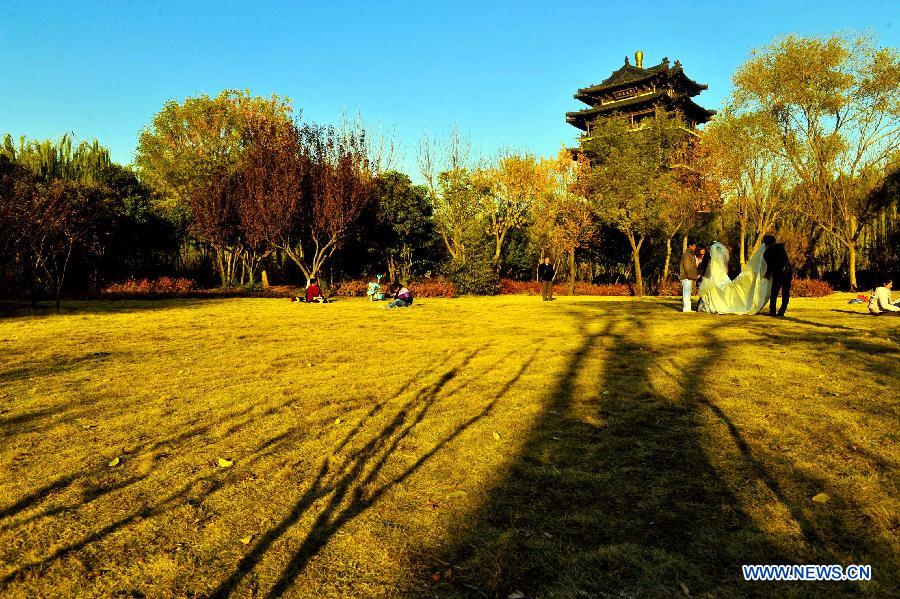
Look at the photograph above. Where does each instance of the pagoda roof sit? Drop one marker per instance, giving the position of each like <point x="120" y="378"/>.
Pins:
<point x="629" y="74"/>
<point x="686" y="105"/>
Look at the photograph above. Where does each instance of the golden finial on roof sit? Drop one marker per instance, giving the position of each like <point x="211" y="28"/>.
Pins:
<point x="639" y="59"/>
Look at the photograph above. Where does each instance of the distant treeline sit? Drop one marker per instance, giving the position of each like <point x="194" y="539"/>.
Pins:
<point x="226" y="187"/>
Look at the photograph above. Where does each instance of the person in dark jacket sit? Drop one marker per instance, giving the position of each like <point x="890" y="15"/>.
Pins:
<point x="778" y="269"/>
<point x="688" y="273"/>
<point x="545" y="276"/>
<point x="403" y="297"/>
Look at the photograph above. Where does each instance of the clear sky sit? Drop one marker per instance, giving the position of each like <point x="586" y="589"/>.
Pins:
<point x="505" y="72"/>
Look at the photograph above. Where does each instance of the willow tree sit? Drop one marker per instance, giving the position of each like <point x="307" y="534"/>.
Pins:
<point x="834" y="105"/>
<point x="631" y="171"/>
<point x="65" y="159"/>
<point x="191" y="152"/>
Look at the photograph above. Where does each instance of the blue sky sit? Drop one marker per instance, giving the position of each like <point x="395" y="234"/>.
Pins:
<point x="505" y="72"/>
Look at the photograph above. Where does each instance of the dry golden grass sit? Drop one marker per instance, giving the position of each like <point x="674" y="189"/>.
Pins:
<point x="468" y="447"/>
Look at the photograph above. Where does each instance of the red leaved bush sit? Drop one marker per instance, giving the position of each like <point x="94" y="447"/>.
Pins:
<point x="670" y="287"/>
<point x="430" y="287"/>
<point x="433" y="287"/>
<point x="799" y="288"/>
<point x="510" y="287"/>
<point x="810" y="288"/>
<point x="351" y="288"/>
<point x="162" y="285"/>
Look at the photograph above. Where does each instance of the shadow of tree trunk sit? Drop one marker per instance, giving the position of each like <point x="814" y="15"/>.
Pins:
<point x="625" y="503"/>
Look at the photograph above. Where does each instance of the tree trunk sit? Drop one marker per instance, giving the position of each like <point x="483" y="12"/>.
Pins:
<point x="636" y="259"/>
<point x="221" y="263"/>
<point x="743" y="255"/>
<point x="665" y="271"/>
<point x="572" y="271"/>
<point x="851" y="264"/>
<point x="392" y="269"/>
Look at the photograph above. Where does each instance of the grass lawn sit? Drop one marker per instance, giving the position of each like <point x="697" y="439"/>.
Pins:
<point x="470" y="447"/>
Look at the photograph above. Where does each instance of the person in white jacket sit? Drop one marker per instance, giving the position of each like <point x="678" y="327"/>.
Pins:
<point x="880" y="302"/>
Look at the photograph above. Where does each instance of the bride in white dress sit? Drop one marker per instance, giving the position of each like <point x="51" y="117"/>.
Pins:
<point x="746" y="294"/>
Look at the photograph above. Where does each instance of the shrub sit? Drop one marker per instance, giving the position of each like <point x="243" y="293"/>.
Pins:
<point x="611" y="289"/>
<point x="351" y="288"/>
<point x="670" y="287"/>
<point x="433" y="287"/>
<point x="510" y="287"/>
<point x="162" y="285"/>
<point x="475" y="276"/>
<point x="810" y="288"/>
<point x="428" y="287"/>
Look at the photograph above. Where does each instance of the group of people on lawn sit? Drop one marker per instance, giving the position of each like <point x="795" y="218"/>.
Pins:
<point x="692" y="267"/>
<point x="402" y="296"/>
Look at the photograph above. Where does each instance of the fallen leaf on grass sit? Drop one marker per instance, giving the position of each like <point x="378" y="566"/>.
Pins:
<point x="436" y="577"/>
<point x="114" y="462"/>
<point x="496" y="436"/>
<point x="246" y="540"/>
<point x="684" y="589"/>
<point x="516" y="595"/>
<point x="821" y="498"/>
<point x="337" y="420"/>
<point x="223" y="463"/>
<point x="455" y="494"/>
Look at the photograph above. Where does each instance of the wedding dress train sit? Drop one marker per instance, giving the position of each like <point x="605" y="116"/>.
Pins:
<point x="746" y="294"/>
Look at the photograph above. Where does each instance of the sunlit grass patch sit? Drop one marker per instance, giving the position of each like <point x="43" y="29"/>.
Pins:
<point x="467" y="447"/>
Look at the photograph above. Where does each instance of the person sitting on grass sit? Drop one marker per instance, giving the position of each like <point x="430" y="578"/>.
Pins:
<point x="403" y="297"/>
<point x="880" y="302"/>
<point x="314" y="293"/>
<point x="373" y="291"/>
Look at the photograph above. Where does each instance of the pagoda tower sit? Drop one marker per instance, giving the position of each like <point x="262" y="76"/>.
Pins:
<point x="636" y="92"/>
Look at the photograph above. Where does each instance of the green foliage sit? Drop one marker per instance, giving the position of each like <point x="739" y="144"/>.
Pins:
<point x="49" y="160"/>
<point x="189" y="144"/>
<point x="630" y="169"/>
<point x="477" y="274"/>
<point x="403" y="230"/>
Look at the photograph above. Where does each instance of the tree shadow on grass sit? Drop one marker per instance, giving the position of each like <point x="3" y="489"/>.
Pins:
<point x="349" y="485"/>
<point x="35" y="369"/>
<point x="356" y="483"/>
<point x="23" y="310"/>
<point x="628" y="503"/>
<point x="235" y="420"/>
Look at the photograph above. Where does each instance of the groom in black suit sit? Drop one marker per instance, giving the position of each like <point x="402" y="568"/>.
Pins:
<point x="778" y="269"/>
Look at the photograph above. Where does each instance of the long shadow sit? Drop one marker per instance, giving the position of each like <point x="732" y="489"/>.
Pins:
<point x="15" y="311"/>
<point x="196" y="488"/>
<point x="43" y="368"/>
<point x="629" y="505"/>
<point x="358" y="488"/>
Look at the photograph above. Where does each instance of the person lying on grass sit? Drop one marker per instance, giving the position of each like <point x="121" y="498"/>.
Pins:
<point x="403" y="297"/>
<point x="880" y="301"/>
